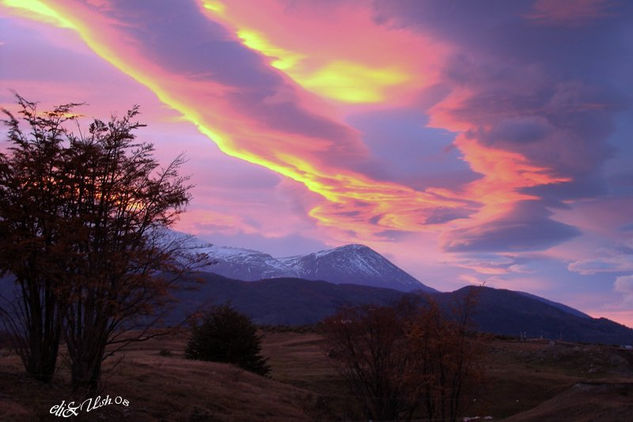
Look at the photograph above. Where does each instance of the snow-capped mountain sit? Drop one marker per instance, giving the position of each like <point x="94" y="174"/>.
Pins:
<point x="245" y="264"/>
<point x="353" y="264"/>
<point x="350" y="264"/>
<point x="236" y="263"/>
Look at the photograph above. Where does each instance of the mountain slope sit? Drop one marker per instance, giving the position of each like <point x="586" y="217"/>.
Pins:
<point x="293" y="301"/>
<point x="512" y="313"/>
<point x="284" y="301"/>
<point x="557" y="305"/>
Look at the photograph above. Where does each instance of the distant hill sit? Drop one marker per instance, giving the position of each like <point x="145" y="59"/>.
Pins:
<point x="557" y="305"/>
<point x="510" y="313"/>
<point x="294" y="301"/>
<point x="282" y="301"/>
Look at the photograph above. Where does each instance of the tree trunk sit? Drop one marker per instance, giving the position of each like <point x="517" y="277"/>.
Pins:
<point x="85" y="373"/>
<point x="43" y="334"/>
<point x="42" y="356"/>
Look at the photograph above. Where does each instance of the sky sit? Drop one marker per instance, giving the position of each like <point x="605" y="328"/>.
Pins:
<point x="485" y="142"/>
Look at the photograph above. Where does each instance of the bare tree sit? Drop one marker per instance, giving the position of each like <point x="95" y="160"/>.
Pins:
<point x="370" y="345"/>
<point x="405" y="359"/>
<point x="447" y="355"/>
<point x="30" y="203"/>
<point x="107" y="268"/>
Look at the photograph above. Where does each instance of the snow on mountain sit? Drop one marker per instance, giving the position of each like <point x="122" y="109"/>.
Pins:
<point x="244" y="264"/>
<point x="350" y="264"/>
<point x="353" y="264"/>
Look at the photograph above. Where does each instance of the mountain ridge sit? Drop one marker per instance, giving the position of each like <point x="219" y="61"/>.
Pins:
<point x="349" y="264"/>
<point x="294" y="301"/>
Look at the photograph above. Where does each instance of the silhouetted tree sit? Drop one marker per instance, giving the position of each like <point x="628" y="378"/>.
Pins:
<point x="84" y="216"/>
<point x="447" y="358"/>
<point x="225" y="335"/>
<point x="31" y="201"/>
<point x="403" y="359"/>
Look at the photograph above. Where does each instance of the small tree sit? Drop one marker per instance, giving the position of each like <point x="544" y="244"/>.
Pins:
<point x="225" y="335"/>
<point x="370" y="346"/>
<point x="447" y="354"/>
<point x="404" y="358"/>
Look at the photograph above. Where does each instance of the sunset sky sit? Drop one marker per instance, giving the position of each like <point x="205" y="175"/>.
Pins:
<point x="468" y="141"/>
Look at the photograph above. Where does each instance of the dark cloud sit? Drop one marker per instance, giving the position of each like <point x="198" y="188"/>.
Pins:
<point x="528" y="83"/>
<point x="542" y="81"/>
<point x="521" y="129"/>
<point x="528" y="228"/>
<point x="286" y="115"/>
<point x="444" y="215"/>
<point x="393" y="235"/>
<point x="627" y="227"/>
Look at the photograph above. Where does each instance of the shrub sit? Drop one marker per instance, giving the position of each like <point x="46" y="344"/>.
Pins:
<point x="225" y="335"/>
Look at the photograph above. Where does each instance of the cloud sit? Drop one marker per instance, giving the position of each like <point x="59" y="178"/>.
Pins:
<point x="613" y="264"/>
<point x="624" y="284"/>
<point x="486" y="263"/>
<point x="532" y="121"/>
<point x="518" y="114"/>
<point x="526" y="228"/>
<point x="579" y="12"/>
<point x="521" y="129"/>
<point x="257" y="110"/>
<point x="494" y="264"/>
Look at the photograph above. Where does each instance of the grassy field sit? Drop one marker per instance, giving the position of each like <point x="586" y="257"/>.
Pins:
<point x="535" y="380"/>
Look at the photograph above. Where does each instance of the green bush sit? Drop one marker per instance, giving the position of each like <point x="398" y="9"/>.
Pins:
<point x="225" y="335"/>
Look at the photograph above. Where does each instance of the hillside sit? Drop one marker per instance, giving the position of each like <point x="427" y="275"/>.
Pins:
<point x="293" y="301"/>
<point x="159" y="388"/>
<point x="511" y="313"/>
<point x="287" y="301"/>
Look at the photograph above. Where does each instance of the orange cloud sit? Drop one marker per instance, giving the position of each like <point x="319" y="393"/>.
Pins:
<point x="504" y="174"/>
<point x="334" y="50"/>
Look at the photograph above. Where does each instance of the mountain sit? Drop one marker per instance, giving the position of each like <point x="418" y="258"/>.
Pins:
<point x="353" y="264"/>
<point x="293" y="301"/>
<point x="349" y="264"/>
<point x="246" y="264"/>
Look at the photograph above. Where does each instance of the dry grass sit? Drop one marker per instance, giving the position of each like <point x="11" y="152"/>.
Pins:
<point x="160" y="388"/>
<point x="532" y="381"/>
<point x="585" y="402"/>
<point x="522" y="375"/>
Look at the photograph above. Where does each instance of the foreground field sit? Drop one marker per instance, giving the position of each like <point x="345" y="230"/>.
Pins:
<point x="526" y="381"/>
